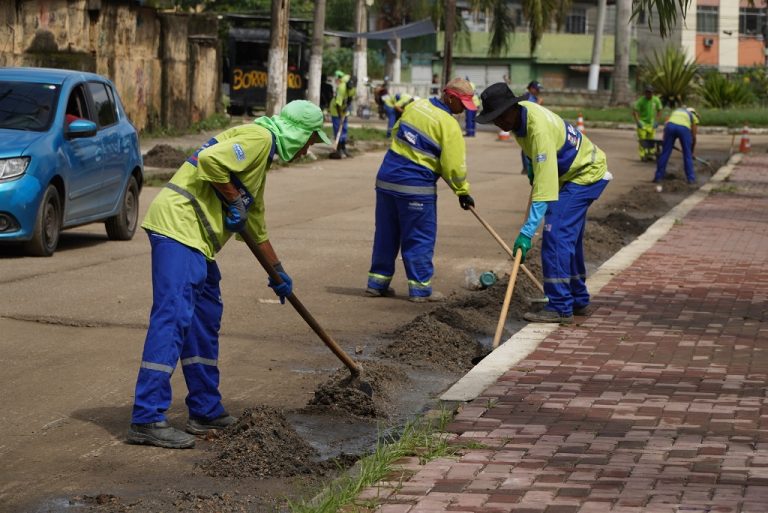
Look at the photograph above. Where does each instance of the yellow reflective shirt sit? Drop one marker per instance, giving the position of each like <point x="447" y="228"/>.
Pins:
<point x="683" y="118"/>
<point x="559" y="153"/>
<point x="189" y="211"/>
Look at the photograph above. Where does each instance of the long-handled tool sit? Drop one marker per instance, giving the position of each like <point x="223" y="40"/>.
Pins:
<point x="338" y="134"/>
<point x="507" y="298"/>
<point x="705" y="162"/>
<point x="507" y="249"/>
<point x="354" y="368"/>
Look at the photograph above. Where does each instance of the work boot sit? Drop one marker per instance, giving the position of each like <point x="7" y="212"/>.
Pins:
<point x="584" y="311"/>
<point x="548" y="316"/>
<point x="436" y="297"/>
<point x="343" y="148"/>
<point x="336" y="155"/>
<point x="202" y="426"/>
<point x="160" y="434"/>
<point x="372" y="292"/>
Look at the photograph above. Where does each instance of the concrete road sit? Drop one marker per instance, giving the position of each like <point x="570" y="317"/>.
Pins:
<point x="73" y="325"/>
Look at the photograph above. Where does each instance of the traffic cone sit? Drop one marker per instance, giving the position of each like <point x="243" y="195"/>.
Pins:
<point x="745" y="145"/>
<point x="580" y="124"/>
<point x="504" y="136"/>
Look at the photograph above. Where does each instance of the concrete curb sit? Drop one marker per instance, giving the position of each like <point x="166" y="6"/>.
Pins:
<point x="525" y="341"/>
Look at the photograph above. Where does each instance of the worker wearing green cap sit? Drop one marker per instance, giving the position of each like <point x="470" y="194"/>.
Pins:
<point x="218" y="191"/>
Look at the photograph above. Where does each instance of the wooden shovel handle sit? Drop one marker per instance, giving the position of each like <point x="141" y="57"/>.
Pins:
<point x="507" y="298"/>
<point x="353" y="366"/>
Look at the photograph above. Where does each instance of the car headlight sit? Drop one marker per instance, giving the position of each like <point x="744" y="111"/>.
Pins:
<point x="13" y="168"/>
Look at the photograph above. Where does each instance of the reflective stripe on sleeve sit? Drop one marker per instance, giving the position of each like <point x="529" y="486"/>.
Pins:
<point x="157" y="367"/>
<point x="199" y="359"/>
<point x="405" y="189"/>
<point x="200" y="214"/>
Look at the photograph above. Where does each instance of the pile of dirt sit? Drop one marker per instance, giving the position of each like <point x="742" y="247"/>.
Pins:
<point x="163" y="155"/>
<point x="341" y="393"/>
<point x="260" y="444"/>
<point x="624" y="223"/>
<point x="167" y="501"/>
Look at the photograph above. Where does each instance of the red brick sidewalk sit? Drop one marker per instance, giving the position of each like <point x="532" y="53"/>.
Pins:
<point x="657" y="403"/>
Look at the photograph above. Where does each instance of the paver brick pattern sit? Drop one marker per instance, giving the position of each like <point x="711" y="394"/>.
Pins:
<point x="656" y="403"/>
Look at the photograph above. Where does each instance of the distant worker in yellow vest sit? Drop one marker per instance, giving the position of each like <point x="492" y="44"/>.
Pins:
<point x="647" y="114"/>
<point x="682" y="124"/>
<point x="340" y="110"/>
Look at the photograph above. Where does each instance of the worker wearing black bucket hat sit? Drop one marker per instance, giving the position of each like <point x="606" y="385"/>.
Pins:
<point x="567" y="174"/>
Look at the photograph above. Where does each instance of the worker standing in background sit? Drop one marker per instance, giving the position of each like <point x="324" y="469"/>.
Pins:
<point x="340" y="110"/>
<point x="403" y="100"/>
<point x="389" y="101"/>
<point x="568" y="172"/>
<point x="427" y="145"/>
<point x="647" y="114"/>
<point x="469" y="115"/>
<point x="682" y="124"/>
<point x="218" y="191"/>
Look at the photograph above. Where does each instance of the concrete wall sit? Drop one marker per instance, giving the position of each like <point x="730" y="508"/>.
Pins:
<point x="165" y="66"/>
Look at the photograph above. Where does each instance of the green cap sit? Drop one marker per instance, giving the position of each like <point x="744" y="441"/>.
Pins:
<point x="294" y="126"/>
<point x="306" y="115"/>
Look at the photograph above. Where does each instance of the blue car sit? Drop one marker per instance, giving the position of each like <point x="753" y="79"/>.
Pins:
<point x="68" y="156"/>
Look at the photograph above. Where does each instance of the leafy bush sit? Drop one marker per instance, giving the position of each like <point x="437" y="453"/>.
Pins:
<point x="671" y="74"/>
<point x="757" y="80"/>
<point x="721" y="92"/>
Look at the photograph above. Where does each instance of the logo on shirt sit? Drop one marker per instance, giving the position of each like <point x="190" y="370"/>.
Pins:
<point x="411" y="137"/>
<point x="239" y="152"/>
<point x="541" y="157"/>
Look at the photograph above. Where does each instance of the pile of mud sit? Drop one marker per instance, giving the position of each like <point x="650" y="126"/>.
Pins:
<point x="341" y="393"/>
<point x="261" y="444"/>
<point x="163" y="155"/>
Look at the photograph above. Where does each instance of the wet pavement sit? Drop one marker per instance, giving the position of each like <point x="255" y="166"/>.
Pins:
<point x="654" y="404"/>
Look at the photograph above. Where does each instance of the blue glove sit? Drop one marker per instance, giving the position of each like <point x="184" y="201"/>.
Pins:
<point x="284" y="289"/>
<point x="236" y="213"/>
<point x="522" y="242"/>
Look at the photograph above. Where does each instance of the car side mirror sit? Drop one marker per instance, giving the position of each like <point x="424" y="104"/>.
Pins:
<point x="81" y="128"/>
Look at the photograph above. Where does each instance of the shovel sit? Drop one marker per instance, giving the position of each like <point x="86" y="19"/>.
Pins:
<point x="697" y="159"/>
<point x="507" y="248"/>
<point x="354" y="368"/>
<point x="507" y="298"/>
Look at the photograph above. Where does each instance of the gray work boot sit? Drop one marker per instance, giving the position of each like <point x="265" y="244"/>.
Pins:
<point x="372" y="292"/>
<point x="584" y="311"/>
<point x="160" y="434"/>
<point x="436" y="297"/>
<point x="202" y="426"/>
<point x="548" y="316"/>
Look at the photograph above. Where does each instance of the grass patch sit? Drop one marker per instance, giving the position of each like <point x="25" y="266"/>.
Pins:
<point x="217" y="121"/>
<point x="423" y="438"/>
<point x="367" y="134"/>
<point x="725" y="189"/>
<point x="732" y="118"/>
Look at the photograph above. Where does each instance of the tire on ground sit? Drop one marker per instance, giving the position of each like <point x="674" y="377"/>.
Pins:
<point x="123" y="225"/>
<point x="45" y="236"/>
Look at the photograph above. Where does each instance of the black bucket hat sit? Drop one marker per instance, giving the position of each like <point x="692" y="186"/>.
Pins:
<point x="497" y="98"/>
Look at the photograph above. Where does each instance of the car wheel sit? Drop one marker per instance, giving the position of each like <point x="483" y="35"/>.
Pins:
<point x="123" y="225"/>
<point x="45" y="237"/>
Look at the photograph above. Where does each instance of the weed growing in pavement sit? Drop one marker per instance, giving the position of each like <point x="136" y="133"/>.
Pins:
<point x="725" y="189"/>
<point x="423" y="438"/>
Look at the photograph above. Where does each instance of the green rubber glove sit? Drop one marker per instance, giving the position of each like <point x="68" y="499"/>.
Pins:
<point x="523" y="242"/>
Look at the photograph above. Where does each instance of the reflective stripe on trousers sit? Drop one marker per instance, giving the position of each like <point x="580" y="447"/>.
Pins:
<point x="410" y="227"/>
<point x="562" y="252"/>
<point x="184" y="323"/>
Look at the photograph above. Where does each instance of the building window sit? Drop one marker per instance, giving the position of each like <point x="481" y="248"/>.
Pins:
<point x="751" y="21"/>
<point x="706" y="19"/>
<point x="576" y="21"/>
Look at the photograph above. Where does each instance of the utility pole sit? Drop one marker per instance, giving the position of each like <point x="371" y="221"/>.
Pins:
<point x="316" y="57"/>
<point x="278" y="57"/>
<point x="360" y="55"/>
<point x="450" y="28"/>
<point x="597" y="47"/>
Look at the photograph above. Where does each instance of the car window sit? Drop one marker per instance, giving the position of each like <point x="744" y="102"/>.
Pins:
<point x="105" y="109"/>
<point x="77" y="106"/>
<point x="116" y="104"/>
<point x="27" y="106"/>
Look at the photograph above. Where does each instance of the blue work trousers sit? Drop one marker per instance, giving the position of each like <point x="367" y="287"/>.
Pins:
<point x="410" y="227"/>
<point x="391" y="118"/>
<point x="673" y="132"/>
<point x="562" y="248"/>
<point x="184" y="323"/>
<point x="469" y="122"/>
<point x="335" y="121"/>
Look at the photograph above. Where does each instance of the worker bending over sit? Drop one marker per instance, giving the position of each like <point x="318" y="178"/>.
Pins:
<point x="567" y="174"/>
<point x="218" y="191"/>
<point x="682" y="124"/>
<point x="427" y="145"/>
